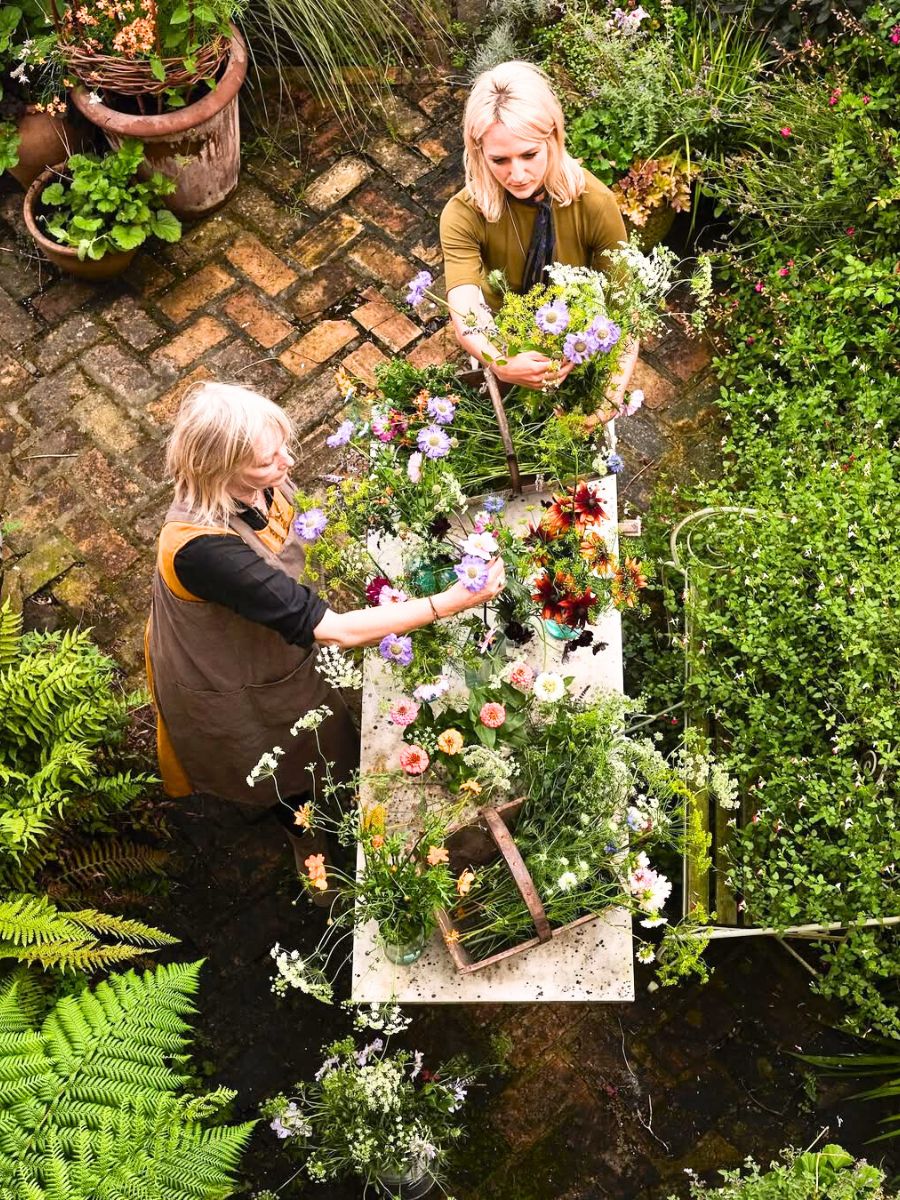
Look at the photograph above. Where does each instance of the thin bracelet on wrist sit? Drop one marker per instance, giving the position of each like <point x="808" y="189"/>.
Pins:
<point x="437" y="615"/>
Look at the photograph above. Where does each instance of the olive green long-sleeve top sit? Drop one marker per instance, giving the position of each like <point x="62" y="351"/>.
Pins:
<point x="585" y="230"/>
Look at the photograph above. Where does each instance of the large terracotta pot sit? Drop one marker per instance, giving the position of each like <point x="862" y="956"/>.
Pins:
<point x="66" y="257"/>
<point x="44" y="140"/>
<point x="198" y="146"/>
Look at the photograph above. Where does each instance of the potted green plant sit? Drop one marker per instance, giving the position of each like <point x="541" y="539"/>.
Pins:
<point x="376" y="1114"/>
<point x="34" y="131"/>
<point x="96" y="212"/>
<point x="166" y="72"/>
<point x="651" y="193"/>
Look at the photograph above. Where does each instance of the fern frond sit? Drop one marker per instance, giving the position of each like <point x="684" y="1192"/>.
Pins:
<point x="112" y="860"/>
<point x="34" y="930"/>
<point x="10" y="634"/>
<point x="91" y="1108"/>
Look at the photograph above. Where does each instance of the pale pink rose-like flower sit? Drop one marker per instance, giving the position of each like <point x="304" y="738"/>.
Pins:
<point x="414" y="760"/>
<point x="520" y="675"/>
<point x="403" y="712"/>
<point x="492" y="714"/>
<point x="414" y="467"/>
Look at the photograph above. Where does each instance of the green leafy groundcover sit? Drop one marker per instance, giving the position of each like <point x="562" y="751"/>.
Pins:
<point x="827" y="1174"/>
<point x="795" y="642"/>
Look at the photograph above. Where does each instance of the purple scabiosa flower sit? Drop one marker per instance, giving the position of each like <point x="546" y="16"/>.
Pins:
<point x="579" y="347"/>
<point x="494" y="504"/>
<point x="441" y="409"/>
<point x="606" y="332"/>
<point x="418" y="287"/>
<point x="553" y="317"/>
<point x="615" y="463"/>
<point x="310" y="526"/>
<point x="396" y="650"/>
<point x="341" y="435"/>
<point x="433" y="442"/>
<point x="472" y="572"/>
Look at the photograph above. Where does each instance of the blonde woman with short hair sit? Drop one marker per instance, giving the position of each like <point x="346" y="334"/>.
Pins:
<point x="231" y="640"/>
<point x="526" y="203"/>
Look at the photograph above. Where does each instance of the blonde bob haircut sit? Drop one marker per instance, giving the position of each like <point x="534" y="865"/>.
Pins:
<point x="519" y="96"/>
<point x="214" y="439"/>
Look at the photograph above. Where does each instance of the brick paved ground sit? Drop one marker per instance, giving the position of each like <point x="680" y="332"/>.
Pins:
<point x="304" y="270"/>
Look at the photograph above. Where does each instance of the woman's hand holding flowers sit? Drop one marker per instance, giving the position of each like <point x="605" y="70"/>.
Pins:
<point x="531" y="369"/>
<point x="457" y="598"/>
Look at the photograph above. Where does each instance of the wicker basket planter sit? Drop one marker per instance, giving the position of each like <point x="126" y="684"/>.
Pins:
<point x="198" y="146"/>
<point x="475" y="845"/>
<point x="66" y="257"/>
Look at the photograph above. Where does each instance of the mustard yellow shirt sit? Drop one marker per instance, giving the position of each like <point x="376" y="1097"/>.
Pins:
<point x="585" y="230"/>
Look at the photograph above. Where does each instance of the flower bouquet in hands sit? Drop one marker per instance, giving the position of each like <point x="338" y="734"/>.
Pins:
<point x="374" y="1113"/>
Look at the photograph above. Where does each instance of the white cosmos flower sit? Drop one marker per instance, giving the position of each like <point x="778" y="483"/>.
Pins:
<point x="482" y="545"/>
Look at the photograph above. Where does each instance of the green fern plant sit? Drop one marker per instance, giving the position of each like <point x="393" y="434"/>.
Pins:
<point x="63" y="716"/>
<point x="34" y="930"/>
<point x="91" y="1107"/>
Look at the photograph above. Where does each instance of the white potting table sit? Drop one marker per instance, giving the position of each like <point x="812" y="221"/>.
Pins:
<point x="591" y="962"/>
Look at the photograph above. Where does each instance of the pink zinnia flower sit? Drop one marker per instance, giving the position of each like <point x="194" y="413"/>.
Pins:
<point x="391" y="595"/>
<point x="414" y="760"/>
<point x="404" y="712"/>
<point x="492" y="715"/>
<point x="521" y="676"/>
<point x="785" y="131"/>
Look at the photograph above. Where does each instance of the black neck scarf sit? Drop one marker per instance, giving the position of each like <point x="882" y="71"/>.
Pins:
<point x="543" y="242"/>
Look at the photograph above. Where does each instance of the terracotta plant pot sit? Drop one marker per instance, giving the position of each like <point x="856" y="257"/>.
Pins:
<point x="44" y="140"/>
<point x="66" y="257"/>
<point x="198" y="146"/>
<point x="654" y="229"/>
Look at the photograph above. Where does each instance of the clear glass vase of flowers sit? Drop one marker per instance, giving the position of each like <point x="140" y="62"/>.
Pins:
<point x="377" y="1114"/>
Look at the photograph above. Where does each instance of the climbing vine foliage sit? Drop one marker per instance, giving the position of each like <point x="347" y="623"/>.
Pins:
<point x="62" y="714"/>
<point x="90" y="1107"/>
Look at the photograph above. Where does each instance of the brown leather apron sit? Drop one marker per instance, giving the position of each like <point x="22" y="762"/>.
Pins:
<point x="228" y="689"/>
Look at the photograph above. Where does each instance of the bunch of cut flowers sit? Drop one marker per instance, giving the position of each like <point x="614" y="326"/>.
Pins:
<point x="573" y="573"/>
<point x="374" y="1112"/>
<point x="470" y="732"/>
<point x="595" y="801"/>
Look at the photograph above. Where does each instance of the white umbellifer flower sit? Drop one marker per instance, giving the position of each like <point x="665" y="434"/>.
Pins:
<point x="482" y="545"/>
<point x="338" y="669"/>
<point x="266" y="767"/>
<point x="549" y="687"/>
<point x="311" y="720"/>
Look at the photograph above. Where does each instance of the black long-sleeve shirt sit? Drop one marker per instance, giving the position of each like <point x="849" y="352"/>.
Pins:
<point x="225" y="570"/>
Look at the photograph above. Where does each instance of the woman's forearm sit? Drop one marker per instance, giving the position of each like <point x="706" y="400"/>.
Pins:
<point x="618" y="383"/>
<point x="367" y="626"/>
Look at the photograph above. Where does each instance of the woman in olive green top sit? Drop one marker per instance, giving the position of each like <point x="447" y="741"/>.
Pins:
<point x="526" y="203"/>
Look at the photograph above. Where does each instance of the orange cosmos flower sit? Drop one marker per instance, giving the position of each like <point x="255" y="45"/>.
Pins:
<point x="436" y="855"/>
<point x="303" y="816"/>
<point x="318" y="876"/>
<point x="465" y="881"/>
<point x="628" y="581"/>
<point x="472" y="786"/>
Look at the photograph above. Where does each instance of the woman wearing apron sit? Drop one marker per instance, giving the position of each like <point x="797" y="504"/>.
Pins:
<point x="231" y="640"/>
<point x="526" y="203"/>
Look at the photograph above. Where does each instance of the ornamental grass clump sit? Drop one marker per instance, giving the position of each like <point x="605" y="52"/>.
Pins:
<point x="374" y="1113"/>
<point x="102" y="207"/>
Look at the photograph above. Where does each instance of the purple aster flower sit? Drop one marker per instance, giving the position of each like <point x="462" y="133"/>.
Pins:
<point x="280" y="1130"/>
<point x="553" y="317"/>
<point x="417" y="288"/>
<point x="494" y="504"/>
<point x="606" y="332"/>
<point x="579" y="347"/>
<point x="341" y="435"/>
<point x="310" y="526"/>
<point x="433" y="442"/>
<point x="442" y="409"/>
<point x="609" y="848"/>
<point x="615" y="463"/>
<point x="396" y="649"/>
<point x="472" y="572"/>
